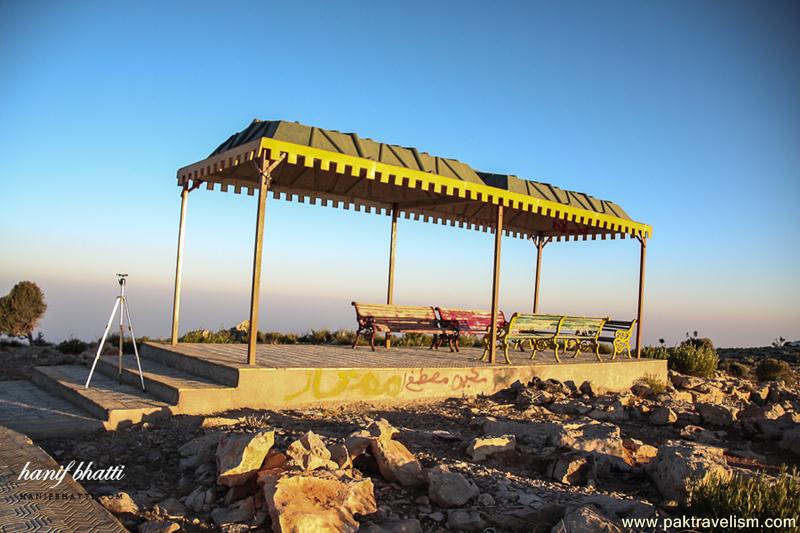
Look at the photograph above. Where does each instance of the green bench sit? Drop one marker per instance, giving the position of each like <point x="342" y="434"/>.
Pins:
<point x="618" y="333"/>
<point x="542" y="332"/>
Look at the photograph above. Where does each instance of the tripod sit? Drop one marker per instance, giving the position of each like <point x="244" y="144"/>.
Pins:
<point x="121" y="303"/>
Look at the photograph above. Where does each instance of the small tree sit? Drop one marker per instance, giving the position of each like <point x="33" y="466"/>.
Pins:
<point x="21" y="310"/>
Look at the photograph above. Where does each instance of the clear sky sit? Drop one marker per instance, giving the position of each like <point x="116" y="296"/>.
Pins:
<point x="686" y="113"/>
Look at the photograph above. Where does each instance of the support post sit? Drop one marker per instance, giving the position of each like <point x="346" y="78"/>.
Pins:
<point x="392" y="248"/>
<point x="640" y="308"/>
<point x="176" y="300"/>
<point x="498" y="239"/>
<point x="540" y="242"/>
<point x="265" y="176"/>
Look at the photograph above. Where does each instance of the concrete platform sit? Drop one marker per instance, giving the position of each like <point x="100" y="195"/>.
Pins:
<point x="202" y="379"/>
<point x="293" y="375"/>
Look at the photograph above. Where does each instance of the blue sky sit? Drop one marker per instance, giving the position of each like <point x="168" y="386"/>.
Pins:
<point x="685" y="113"/>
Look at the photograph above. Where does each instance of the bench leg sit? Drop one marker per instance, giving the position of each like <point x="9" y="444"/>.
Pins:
<point x="505" y="353"/>
<point x="355" y="341"/>
<point x="597" y="350"/>
<point x="456" y="343"/>
<point x="372" y="340"/>
<point x="555" y="351"/>
<point x="434" y="343"/>
<point x="485" y="355"/>
<point x="533" y="349"/>
<point x="577" y="348"/>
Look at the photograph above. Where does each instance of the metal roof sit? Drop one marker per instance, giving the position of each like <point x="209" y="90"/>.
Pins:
<point x="348" y="170"/>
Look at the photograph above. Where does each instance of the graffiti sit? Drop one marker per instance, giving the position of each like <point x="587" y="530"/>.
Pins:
<point x="418" y="380"/>
<point x="364" y="384"/>
<point x="416" y="384"/>
<point x="462" y="381"/>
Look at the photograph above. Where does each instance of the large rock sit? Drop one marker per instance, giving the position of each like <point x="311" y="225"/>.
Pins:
<point x="678" y="462"/>
<point x="120" y="502"/>
<point x="791" y="440"/>
<point x="482" y="447"/>
<point x="395" y="462"/>
<point x="449" y="489"/>
<point x="716" y="415"/>
<point x="309" y="453"/>
<point x="159" y="526"/>
<point x="603" y="440"/>
<point x="532" y="433"/>
<point x="586" y="519"/>
<point x="662" y="416"/>
<point x="573" y="468"/>
<point x="317" y="501"/>
<point x="198" y="450"/>
<point x="465" y="520"/>
<point x="240" y="455"/>
<point x="238" y="512"/>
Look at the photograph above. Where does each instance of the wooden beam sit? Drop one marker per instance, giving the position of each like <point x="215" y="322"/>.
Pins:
<point x="498" y="239"/>
<point x="392" y="249"/>
<point x="640" y="308"/>
<point x="176" y="300"/>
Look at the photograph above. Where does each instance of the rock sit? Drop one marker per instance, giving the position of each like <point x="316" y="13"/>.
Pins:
<point x="569" y="407"/>
<point x="763" y="412"/>
<point x="218" y="421"/>
<point x="395" y="462"/>
<point x="449" y="489"/>
<point x="196" y="499"/>
<point x="645" y="453"/>
<point x="198" y="450"/>
<point x="701" y="434"/>
<point x="681" y="381"/>
<point x="121" y="502"/>
<point x="791" y="440"/>
<point x="158" y="526"/>
<point x="464" y="520"/>
<point x="532" y="433"/>
<point x="679" y="461"/>
<point x="573" y="468"/>
<point x="381" y="428"/>
<point x="238" y="512"/>
<point x="585" y="519"/>
<point x="309" y="453"/>
<point x="410" y="525"/>
<point x="481" y="448"/>
<point x="240" y="455"/>
<point x="436" y="516"/>
<point x="340" y="456"/>
<point x="317" y="501"/>
<point x="171" y="508"/>
<point x="588" y="389"/>
<point x="603" y="440"/>
<point x="486" y="500"/>
<point x="681" y="396"/>
<point x="662" y="416"/>
<point x="717" y="415"/>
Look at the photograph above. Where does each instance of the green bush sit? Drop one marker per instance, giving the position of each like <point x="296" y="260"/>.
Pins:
<point x="760" y="496"/>
<point x="735" y="368"/>
<point x="694" y="359"/>
<point x="774" y="370"/>
<point x="72" y="346"/>
<point x="656" y="384"/>
<point x="655" y="352"/>
<point x="223" y="336"/>
<point x="21" y="310"/>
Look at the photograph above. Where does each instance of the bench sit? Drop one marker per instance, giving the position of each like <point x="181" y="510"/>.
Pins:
<point x="618" y="333"/>
<point x="469" y="322"/>
<point x="385" y="318"/>
<point x="542" y="332"/>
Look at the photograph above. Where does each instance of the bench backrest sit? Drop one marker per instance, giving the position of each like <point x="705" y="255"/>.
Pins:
<point x="470" y="319"/>
<point x="530" y="322"/>
<point x="583" y="323"/>
<point x="619" y="325"/>
<point x="396" y="315"/>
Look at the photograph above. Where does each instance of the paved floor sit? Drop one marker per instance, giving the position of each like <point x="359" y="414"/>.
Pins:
<point x="30" y="505"/>
<point x="28" y="409"/>
<point x="326" y="356"/>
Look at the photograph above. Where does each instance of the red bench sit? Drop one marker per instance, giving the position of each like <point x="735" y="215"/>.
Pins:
<point x="374" y="318"/>
<point x="468" y="322"/>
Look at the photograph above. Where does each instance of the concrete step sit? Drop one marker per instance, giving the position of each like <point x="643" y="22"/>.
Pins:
<point x="172" y="385"/>
<point x="113" y="403"/>
<point x="222" y="374"/>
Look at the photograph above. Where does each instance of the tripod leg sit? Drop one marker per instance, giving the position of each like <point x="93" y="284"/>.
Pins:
<point x="102" y="342"/>
<point x="133" y="339"/>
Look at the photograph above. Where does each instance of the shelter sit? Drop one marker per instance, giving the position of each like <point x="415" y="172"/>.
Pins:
<point x="305" y="163"/>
